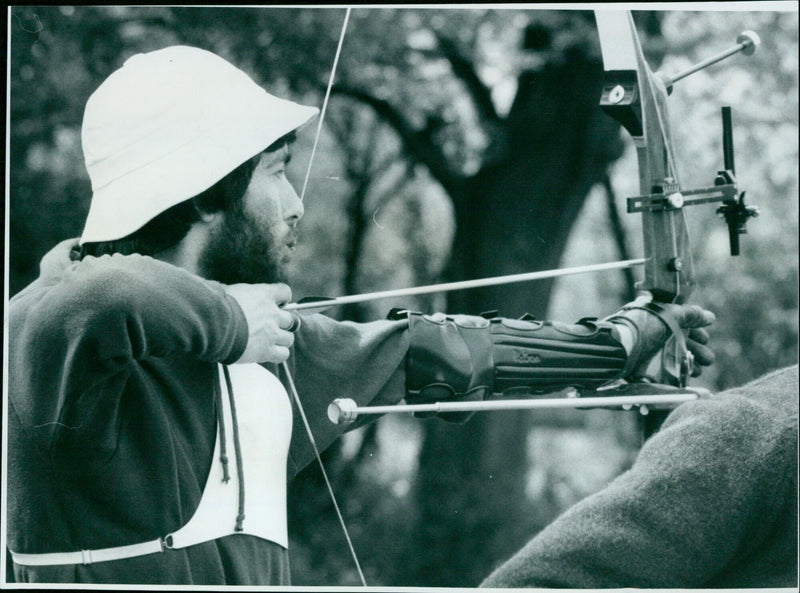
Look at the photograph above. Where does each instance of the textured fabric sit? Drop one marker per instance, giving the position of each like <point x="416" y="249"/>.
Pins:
<point x="112" y="420"/>
<point x="710" y="502"/>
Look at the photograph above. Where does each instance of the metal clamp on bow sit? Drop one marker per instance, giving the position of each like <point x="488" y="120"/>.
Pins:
<point x="669" y="196"/>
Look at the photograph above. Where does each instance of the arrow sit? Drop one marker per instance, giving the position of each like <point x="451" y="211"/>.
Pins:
<point x="317" y="303"/>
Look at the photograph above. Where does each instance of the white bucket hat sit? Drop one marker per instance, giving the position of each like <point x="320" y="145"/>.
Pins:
<point x="167" y="126"/>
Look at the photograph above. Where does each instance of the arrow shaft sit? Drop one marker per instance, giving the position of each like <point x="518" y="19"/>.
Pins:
<point x="464" y="284"/>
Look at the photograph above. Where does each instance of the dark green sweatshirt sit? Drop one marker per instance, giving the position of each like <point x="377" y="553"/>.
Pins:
<point x="112" y="417"/>
<point x="711" y="501"/>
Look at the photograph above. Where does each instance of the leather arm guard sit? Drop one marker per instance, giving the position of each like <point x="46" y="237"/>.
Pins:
<point x="470" y="358"/>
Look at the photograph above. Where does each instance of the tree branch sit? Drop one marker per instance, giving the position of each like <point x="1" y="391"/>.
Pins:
<point x="414" y="140"/>
<point x="462" y="68"/>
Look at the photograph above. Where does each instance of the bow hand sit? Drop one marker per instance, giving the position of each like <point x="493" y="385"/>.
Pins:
<point x="666" y="342"/>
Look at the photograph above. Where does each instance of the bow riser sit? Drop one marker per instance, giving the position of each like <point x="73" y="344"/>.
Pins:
<point x="637" y="99"/>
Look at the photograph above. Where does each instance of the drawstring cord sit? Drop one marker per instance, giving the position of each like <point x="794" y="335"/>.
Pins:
<point x="223" y="452"/>
<point x="237" y="450"/>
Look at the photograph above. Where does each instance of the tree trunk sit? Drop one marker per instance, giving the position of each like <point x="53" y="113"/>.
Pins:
<point x="516" y="217"/>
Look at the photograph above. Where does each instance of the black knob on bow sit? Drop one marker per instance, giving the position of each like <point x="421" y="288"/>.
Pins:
<point x="735" y="212"/>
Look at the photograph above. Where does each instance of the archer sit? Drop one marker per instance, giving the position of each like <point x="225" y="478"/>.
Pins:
<point x="151" y="434"/>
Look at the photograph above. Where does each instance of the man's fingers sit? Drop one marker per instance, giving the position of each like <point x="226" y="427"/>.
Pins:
<point x="281" y="293"/>
<point x="285" y="319"/>
<point x="277" y="354"/>
<point x="691" y="316"/>
<point x="269" y="327"/>
<point x="696" y="316"/>
<point x="284" y="338"/>
<point x="703" y="355"/>
<point x="699" y="335"/>
<point x="296" y="323"/>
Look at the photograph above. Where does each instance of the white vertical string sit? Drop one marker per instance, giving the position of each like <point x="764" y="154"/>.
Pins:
<point x="285" y="366"/>
<point x="313" y="441"/>
<point x="325" y="103"/>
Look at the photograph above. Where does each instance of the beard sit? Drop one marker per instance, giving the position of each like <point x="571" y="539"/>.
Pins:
<point x="242" y="251"/>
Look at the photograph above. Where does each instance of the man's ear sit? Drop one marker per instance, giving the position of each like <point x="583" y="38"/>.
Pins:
<point x="205" y="216"/>
<point x="209" y="217"/>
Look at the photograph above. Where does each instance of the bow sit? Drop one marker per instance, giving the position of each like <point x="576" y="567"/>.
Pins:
<point x="637" y="98"/>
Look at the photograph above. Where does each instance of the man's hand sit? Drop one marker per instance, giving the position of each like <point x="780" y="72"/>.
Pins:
<point x="269" y="327"/>
<point x="649" y="332"/>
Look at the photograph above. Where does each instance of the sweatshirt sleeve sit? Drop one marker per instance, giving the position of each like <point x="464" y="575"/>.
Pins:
<point x="704" y="491"/>
<point x="341" y="359"/>
<point x="103" y="313"/>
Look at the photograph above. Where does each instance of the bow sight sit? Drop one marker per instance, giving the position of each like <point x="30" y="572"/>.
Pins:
<point x="636" y="98"/>
<point x="668" y="196"/>
<point x="621" y="99"/>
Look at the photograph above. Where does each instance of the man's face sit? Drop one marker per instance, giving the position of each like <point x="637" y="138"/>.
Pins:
<point x="254" y="242"/>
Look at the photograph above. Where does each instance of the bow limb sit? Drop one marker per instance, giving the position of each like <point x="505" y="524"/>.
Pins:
<point x="284" y="365"/>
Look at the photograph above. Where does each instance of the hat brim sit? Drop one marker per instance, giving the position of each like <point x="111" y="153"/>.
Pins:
<point x="124" y="206"/>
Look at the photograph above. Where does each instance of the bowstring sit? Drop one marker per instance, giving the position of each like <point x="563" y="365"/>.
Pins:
<point x="325" y="102"/>
<point x="313" y="441"/>
<point x="285" y="366"/>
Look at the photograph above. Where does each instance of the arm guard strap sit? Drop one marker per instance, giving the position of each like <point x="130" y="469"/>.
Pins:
<point x="470" y="358"/>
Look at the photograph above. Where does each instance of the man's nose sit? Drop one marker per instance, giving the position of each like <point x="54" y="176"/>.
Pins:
<point x="292" y="206"/>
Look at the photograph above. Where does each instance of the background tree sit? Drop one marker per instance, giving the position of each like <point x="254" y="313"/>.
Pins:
<point x="459" y="143"/>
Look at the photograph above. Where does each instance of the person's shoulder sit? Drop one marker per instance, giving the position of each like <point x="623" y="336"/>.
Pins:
<point x="756" y="421"/>
<point x="774" y="394"/>
<point x="781" y="384"/>
<point x="115" y="283"/>
<point x="51" y="270"/>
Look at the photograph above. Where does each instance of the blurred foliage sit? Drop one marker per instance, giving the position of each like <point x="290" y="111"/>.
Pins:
<point x="364" y="172"/>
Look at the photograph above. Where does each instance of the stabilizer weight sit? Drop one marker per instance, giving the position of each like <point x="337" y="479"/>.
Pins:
<point x="342" y="411"/>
